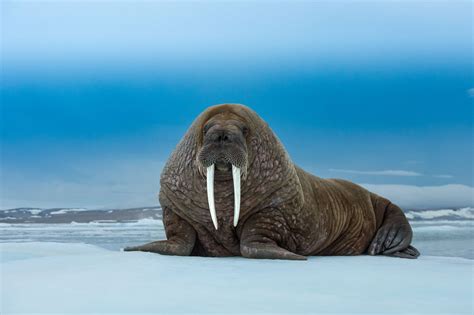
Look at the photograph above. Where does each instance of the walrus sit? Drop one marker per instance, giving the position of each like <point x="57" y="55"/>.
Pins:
<point x="231" y="189"/>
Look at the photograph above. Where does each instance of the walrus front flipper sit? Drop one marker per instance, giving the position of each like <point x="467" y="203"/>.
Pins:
<point x="394" y="236"/>
<point x="168" y="247"/>
<point x="181" y="237"/>
<point x="267" y="251"/>
<point x="261" y="238"/>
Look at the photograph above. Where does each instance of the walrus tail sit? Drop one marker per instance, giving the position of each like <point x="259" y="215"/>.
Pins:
<point x="394" y="233"/>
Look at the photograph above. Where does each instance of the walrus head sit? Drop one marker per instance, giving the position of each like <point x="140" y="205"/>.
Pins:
<point x="228" y="147"/>
<point x="223" y="153"/>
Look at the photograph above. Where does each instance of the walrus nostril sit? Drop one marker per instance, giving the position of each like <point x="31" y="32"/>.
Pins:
<point x="220" y="136"/>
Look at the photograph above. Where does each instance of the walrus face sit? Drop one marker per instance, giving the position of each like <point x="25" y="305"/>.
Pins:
<point x="224" y="154"/>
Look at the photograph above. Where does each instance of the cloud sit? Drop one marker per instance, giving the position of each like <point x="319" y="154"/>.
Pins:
<point x="470" y="92"/>
<point x="387" y="173"/>
<point x="426" y="197"/>
<point x="378" y="173"/>
<point x="124" y="183"/>
<point x="117" y="183"/>
<point x="443" y="176"/>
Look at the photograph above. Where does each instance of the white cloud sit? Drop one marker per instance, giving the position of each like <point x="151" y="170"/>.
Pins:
<point x="426" y="197"/>
<point x="443" y="176"/>
<point x="117" y="183"/>
<point x="132" y="182"/>
<point x="470" y="92"/>
<point x="377" y="173"/>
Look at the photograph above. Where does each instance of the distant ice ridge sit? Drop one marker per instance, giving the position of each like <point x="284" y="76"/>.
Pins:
<point x="70" y="215"/>
<point x="144" y="221"/>
<point x="63" y="211"/>
<point x="35" y="211"/>
<point x="80" y="215"/>
<point x="446" y="214"/>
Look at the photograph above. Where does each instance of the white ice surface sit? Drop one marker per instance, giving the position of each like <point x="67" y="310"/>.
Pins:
<point x="463" y="213"/>
<point x="67" y="278"/>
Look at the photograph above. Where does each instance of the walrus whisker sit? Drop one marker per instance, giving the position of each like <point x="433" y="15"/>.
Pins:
<point x="210" y="194"/>
<point x="236" y="178"/>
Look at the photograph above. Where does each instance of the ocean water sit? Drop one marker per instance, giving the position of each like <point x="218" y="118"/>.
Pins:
<point x="445" y="232"/>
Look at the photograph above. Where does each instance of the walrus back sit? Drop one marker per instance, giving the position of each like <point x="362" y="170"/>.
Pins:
<point x="341" y="207"/>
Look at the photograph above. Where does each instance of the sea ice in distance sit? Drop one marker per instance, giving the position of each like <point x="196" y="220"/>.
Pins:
<point x="65" y="278"/>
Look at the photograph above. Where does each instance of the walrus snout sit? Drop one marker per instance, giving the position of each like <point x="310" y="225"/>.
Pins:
<point x="223" y="158"/>
<point x="223" y="146"/>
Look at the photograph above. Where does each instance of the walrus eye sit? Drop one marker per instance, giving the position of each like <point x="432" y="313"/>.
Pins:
<point x="205" y="129"/>
<point x="245" y="130"/>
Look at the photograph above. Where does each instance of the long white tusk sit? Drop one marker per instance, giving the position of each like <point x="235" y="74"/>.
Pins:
<point x="236" y="178"/>
<point x="210" y="194"/>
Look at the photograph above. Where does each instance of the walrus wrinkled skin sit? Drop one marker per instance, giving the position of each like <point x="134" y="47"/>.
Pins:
<point x="285" y="212"/>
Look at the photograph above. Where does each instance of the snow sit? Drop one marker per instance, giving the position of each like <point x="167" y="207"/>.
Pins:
<point x="463" y="213"/>
<point x="64" y="211"/>
<point x="35" y="211"/>
<point x="43" y="277"/>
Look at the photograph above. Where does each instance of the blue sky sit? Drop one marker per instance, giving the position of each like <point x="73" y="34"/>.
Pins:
<point x="95" y="95"/>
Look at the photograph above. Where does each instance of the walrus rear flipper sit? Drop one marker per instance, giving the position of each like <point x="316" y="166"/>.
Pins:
<point x="394" y="236"/>
<point x="409" y="252"/>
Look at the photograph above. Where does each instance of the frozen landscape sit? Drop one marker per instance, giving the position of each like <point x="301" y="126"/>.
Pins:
<point x="80" y="278"/>
<point x="79" y="268"/>
<point x="440" y="232"/>
<point x="96" y="95"/>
